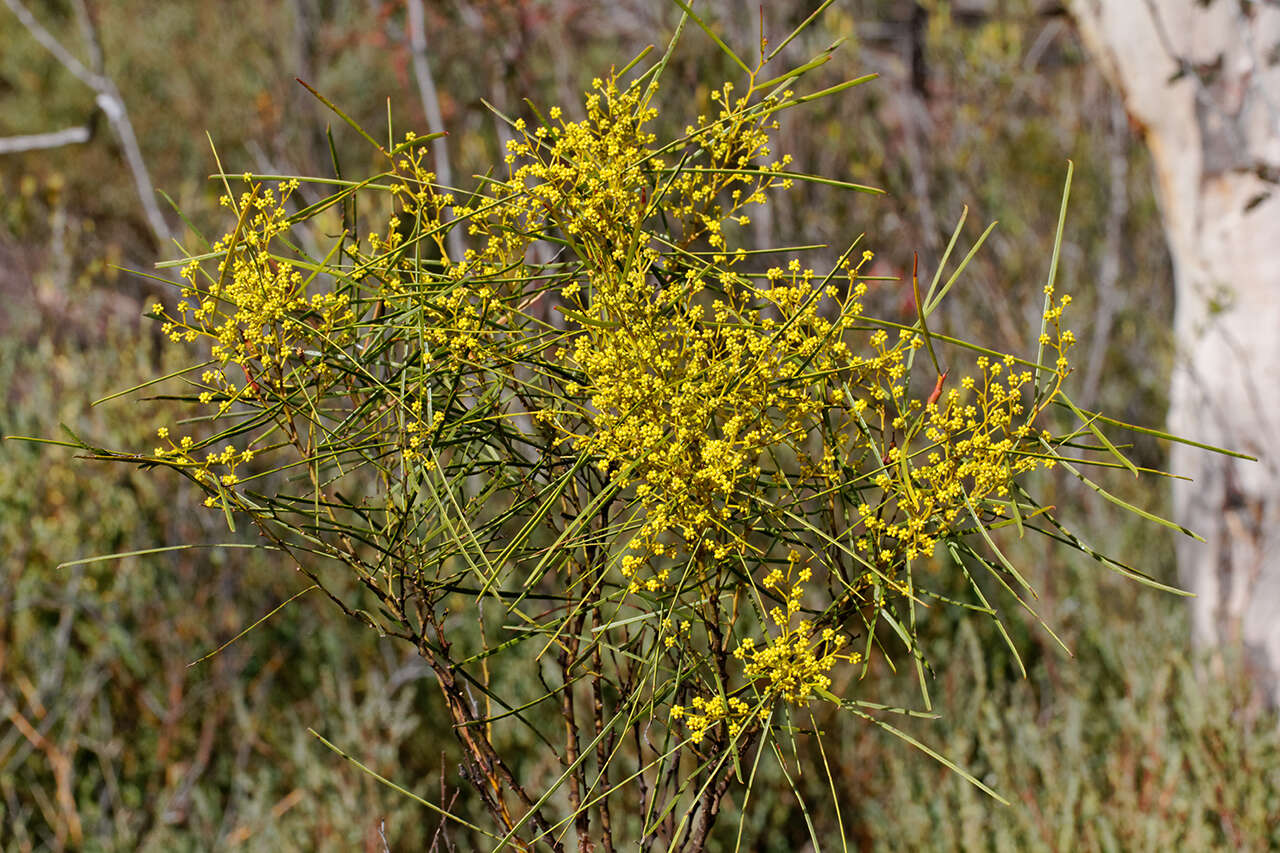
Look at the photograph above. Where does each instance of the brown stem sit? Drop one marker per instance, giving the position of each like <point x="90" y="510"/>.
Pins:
<point x="567" y="658"/>
<point x="710" y="805"/>
<point x="603" y="745"/>
<point x="486" y="766"/>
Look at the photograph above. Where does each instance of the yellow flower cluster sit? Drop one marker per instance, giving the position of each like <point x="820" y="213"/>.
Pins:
<point x="689" y="386"/>
<point x="735" y="146"/>
<point x="414" y="191"/>
<point x="716" y="401"/>
<point x="179" y="453"/>
<point x="951" y="452"/>
<point x="254" y="309"/>
<point x="792" y="666"/>
<point x="1055" y="337"/>
<point x="451" y="294"/>
<point x="796" y="662"/>
<point x="705" y="714"/>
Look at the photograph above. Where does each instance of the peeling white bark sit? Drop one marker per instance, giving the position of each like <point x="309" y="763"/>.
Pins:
<point x="1203" y="81"/>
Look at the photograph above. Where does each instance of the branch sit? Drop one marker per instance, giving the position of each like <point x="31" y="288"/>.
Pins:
<point x="89" y="32"/>
<point x="113" y="105"/>
<point x="51" y="44"/>
<point x="431" y="106"/>
<point x="39" y="141"/>
<point x="108" y="100"/>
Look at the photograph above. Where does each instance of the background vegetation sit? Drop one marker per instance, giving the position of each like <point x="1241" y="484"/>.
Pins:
<point x="110" y="741"/>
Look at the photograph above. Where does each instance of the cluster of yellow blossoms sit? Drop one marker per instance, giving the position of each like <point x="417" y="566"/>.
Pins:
<point x="228" y="458"/>
<point x="254" y="311"/>
<point x="715" y="400"/>
<point x="792" y="666"/>
<point x="254" y="308"/>
<point x="689" y="394"/>
<point x="945" y="455"/>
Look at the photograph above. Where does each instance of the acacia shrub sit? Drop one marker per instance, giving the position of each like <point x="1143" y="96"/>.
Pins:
<point x="696" y="500"/>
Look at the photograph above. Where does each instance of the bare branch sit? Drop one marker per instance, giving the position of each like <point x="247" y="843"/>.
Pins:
<point x="39" y="141"/>
<point x="431" y="106"/>
<point x="108" y="100"/>
<point x="113" y="105"/>
<point x="89" y="32"/>
<point x="51" y="44"/>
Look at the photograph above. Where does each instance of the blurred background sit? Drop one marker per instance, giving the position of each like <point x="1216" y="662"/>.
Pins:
<point x="110" y="741"/>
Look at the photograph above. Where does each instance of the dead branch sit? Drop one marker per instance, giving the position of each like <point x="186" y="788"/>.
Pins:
<point x="431" y="106"/>
<point x="108" y="100"/>
<point x="41" y="141"/>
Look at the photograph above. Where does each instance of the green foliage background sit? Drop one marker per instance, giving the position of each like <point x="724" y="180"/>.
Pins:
<point x="104" y="727"/>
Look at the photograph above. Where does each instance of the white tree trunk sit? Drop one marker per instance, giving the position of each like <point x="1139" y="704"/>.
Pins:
<point x="1203" y="82"/>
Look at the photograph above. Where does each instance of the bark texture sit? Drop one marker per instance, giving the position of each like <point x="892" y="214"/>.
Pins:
<point x="1202" y="80"/>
